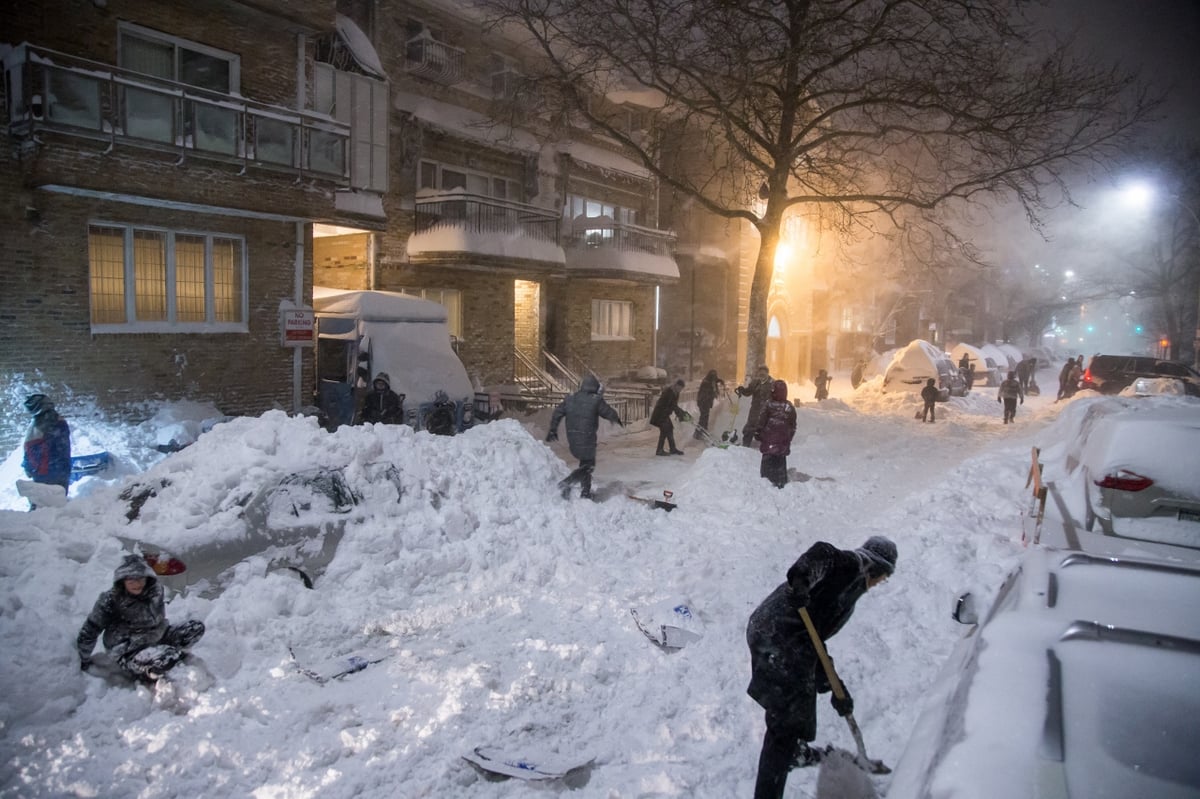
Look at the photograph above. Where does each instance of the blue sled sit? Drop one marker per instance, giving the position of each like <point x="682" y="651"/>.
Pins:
<point x="86" y="465"/>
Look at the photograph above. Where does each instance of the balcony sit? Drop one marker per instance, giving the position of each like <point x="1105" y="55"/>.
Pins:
<point x="601" y="247"/>
<point x="429" y="58"/>
<point x="52" y="91"/>
<point x="458" y="222"/>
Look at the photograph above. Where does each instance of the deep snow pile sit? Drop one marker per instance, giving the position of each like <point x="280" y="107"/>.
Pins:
<point x="503" y="609"/>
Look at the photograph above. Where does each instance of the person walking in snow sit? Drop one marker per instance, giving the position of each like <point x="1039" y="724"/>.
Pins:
<point x="47" y="455"/>
<point x="1010" y="391"/>
<point x="583" y="411"/>
<point x="706" y="395"/>
<point x="775" y="431"/>
<point x="1025" y="372"/>
<point x="1064" y="380"/>
<point x="856" y="374"/>
<point x="759" y="391"/>
<point x="133" y="619"/>
<point x="381" y="405"/>
<point x="786" y="674"/>
<point x="929" y="394"/>
<point x="660" y="417"/>
<point x="822" y="381"/>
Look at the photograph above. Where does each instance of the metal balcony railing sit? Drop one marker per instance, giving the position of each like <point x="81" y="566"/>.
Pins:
<point x="487" y="215"/>
<point x="435" y="60"/>
<point x="60" y="92"/>
<point x="601" y="232"/>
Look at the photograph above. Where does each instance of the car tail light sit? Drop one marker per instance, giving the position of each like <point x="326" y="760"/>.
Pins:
<point x="1124" y="481"/>
<point x="1087" y="375"/>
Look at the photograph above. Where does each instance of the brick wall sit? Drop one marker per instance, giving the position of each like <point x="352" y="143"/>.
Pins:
<point x="571" y="319"/>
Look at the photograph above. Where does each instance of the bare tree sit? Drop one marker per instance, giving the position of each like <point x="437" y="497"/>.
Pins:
<point x="878" y="113"/>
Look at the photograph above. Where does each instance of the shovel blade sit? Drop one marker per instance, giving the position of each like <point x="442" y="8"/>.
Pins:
<point x="844" y="776"/>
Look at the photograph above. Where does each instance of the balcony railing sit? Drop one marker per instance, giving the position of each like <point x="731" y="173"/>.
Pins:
<point x="60" y="92"/>
<point x="603" y="232"/>
<point x="486" y="215"/>
<point x="435" y="60"/>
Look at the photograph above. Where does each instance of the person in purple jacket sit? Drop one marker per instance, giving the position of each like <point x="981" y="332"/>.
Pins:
<point x="776" y="426"/>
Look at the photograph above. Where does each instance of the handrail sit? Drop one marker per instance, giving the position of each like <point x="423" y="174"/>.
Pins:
<point x="478" y="214"/>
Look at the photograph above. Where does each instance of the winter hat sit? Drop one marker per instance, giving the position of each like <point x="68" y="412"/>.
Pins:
<point x="879" y="554"/>
<point x="132" y="566"/>
<point x="679" y="383"/>
<point x="38" y="403"/>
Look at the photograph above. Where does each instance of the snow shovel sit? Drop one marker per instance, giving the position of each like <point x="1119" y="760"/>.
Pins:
<point x="873" y="766"/>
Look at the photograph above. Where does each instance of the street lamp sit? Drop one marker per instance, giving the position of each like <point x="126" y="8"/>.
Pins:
<point x="1142" y="194"/>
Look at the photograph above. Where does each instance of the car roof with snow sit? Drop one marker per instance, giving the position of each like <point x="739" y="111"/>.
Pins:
<point x="1080" y="682"/>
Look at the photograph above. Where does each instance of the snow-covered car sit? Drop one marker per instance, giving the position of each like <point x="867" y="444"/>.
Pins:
<point x="1141" y="475"/>
<point x="1111" y="374"/>
<point x="1079" y="682"/>
<point x="913" y="365"/>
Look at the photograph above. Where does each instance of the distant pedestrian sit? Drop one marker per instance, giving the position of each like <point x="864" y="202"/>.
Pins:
<point x="1010" y="391"/>
<point x="1025" y="372"/>
<point x="706" y="395"/>
<point x="970" y="376"/>
<point x="381" y="405"/>
<point x="47" y="444"/>
<point x="856" y="374"/>
<point x="583" y="411"/>
<point x="660" y="417"/>
<point x="775" y="431"/>
<point x="930" y="396"/>
<point x="964" y="363"/>
<point x="822" y="381"/>
<point x="759" y="391"/>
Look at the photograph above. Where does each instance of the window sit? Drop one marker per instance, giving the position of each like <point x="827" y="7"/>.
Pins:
<point x="158" y="114"/>
<point x="362" y="103"/>
<point x="577" y="206"/>
<point x="450" y="299"/>
<point x="147" y="280"/>
<point x="612" y="319"/>
<point x="440" y="177"/>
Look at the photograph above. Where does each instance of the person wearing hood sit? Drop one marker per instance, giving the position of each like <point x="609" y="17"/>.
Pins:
<point x="382" y="405"/>
<point x="822" y="381"/>
<point x="786" y="674"/>
<point x="583" y="411"/>
<point x="759" y="391"/>
<point x="660" y="417"/>
<point x="775" y="431"/>
<point x="133" y="620"/>
<point x="1010" y="391"/>
<point x="47" y="457"/>
<point x="929" y="395"/>
<point x="706" y="395"/>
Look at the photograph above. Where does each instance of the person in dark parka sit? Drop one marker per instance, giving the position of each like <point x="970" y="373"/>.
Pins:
<point x="929" y="395"/>
<point x="759" y="391"/>
<point x="133" y="619"/>
<point x="382" y="405"/>
<point x="786" y="674"/>
<point x="660" y="417"/>
<point x="47" y="451"/>
<point x="1010" y="391"/>
<point x="706" y="395"/>
<point x="583" y="411"/>
<point x="822" y="381"/>
<point x="775" y="431"/>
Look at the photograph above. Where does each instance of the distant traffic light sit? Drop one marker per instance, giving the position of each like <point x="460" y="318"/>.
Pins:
<point x="1137" y="329"/>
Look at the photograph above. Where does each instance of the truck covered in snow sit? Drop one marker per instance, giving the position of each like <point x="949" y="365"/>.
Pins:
<point x="363" y="333"/>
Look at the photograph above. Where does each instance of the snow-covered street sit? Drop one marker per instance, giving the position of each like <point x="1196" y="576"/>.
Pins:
<point x="501" y="611"/>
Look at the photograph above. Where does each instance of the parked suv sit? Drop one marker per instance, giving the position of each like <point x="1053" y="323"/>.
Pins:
<point x="1079" y="682"/>
<point x="1111" y="374"/>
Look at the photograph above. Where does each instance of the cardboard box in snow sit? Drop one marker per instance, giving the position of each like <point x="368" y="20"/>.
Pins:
<point x="384" y="331"/>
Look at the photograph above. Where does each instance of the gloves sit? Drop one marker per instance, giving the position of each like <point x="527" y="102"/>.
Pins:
<point x="843" y="706"/>
<point x="552" y="436"/>
<point x="739" y="391"/>
<point x="84" y="664"/>
<point x="799" y="595"/>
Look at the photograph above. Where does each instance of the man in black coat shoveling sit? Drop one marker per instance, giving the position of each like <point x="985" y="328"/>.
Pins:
<point x="786" y="672"/>
<point x="583" y="411"/>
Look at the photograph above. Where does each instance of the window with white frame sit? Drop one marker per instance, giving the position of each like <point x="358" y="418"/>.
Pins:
<point x="602" y="235"/>
<point x="450" y="299"/>
<point x="362" y="103"/>
<point x="612" y="319"/>
<point x="154" y="115"/>
<point x="444" y="177"/>
<point x="151" y="279"/>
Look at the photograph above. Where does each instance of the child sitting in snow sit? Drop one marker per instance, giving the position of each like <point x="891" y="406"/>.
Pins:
<point x="133" y="618"/>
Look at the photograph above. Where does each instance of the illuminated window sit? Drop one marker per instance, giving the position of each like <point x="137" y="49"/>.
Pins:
<point x="612" y="319"/>
<point x="442" y="177"/>
<point x="450" y="299"/>
<point x="150" y="280"/>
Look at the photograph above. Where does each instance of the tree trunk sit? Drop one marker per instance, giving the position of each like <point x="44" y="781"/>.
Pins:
<point x="760" y="290"/>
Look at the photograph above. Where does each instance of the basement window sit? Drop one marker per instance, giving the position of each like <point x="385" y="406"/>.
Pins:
<point x="145" y="280"/>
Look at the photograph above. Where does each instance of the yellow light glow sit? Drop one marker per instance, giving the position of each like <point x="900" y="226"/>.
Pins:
<point x="783" y="255"/>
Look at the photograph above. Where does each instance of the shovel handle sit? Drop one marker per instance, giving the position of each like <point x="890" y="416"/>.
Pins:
<point x="834" y="683"/>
